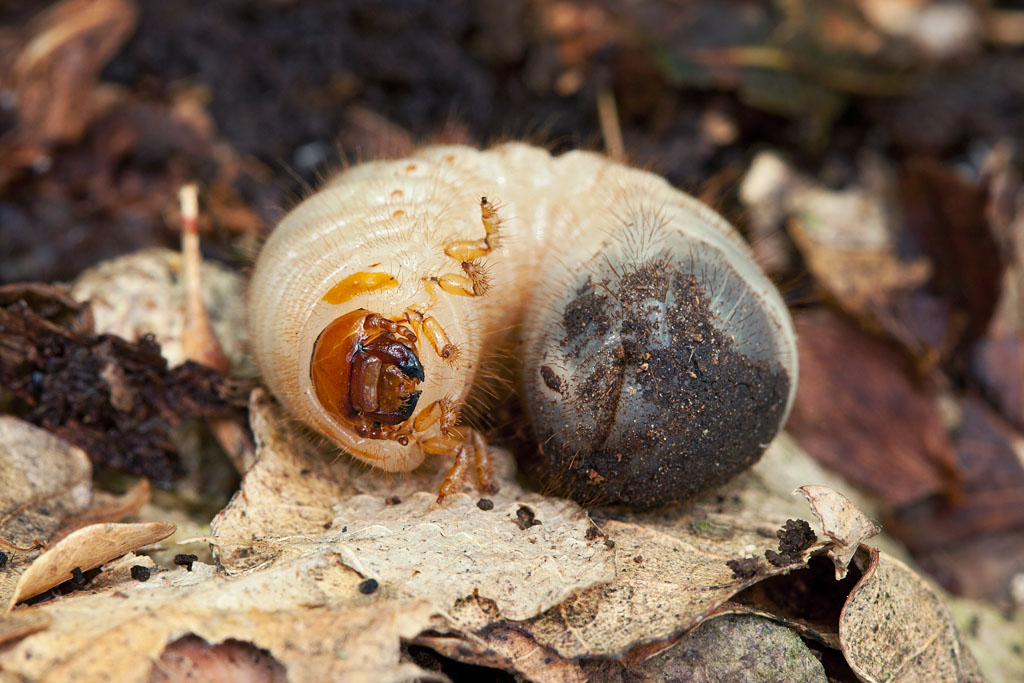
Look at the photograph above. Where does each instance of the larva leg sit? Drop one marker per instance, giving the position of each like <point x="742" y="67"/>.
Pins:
<point x="442" y="412"/>
<point x="377" y="321"/>
<point x="474" y="281"/>
<point x="428" y="327"/>
<point x="469" y="452"/>
<point x="468" y="250"/>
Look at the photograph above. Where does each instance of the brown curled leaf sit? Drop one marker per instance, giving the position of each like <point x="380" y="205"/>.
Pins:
<point x="864" y="417"/>
<point x="52" y="302"/>
<point x="86" y="549"/>
<point x="56" y="71"/>
<point x="842" y="521"/>
<point x="895" y="627"/>
<point x="509" y="649"/>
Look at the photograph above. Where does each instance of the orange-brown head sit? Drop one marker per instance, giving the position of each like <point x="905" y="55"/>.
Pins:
<point x="365" y="370"/>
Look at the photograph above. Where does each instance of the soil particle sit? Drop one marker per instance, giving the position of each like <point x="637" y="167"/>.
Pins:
<point x="183" y="560"/>
<point x="553" y="381"/>
<point x="526" y="517"/>
<point x="744" y="567"/>
<point x="794" y="537"/>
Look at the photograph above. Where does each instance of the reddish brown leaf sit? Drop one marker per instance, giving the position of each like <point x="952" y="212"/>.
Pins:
<point x="999" y="367"/>
<point x="991" y="495"/>
<point x="55" y="73"/>
<point x="192" y="658"/>
<point x="946" y="215"/>
<point x="858" y="413"/>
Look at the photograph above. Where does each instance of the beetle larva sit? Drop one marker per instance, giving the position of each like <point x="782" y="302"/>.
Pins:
<point x="654" y="358"/>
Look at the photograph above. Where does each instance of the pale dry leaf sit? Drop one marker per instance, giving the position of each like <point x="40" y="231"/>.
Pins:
<point x="735" y="648"/>
<point x="445" y="553"/>
<point x="509" y="649"/>
<point x="290" y="490"/>
<point x="308" y="613"/>
<point x="995" y="638"/>
<point x="85" y="549"/>
<point x="666" y="581"/>
<point x="293" y="486"/>
<point x="20" y="624"/>
<point x="44" y="481"/>
<point x="895" y="627"/>
<point x="294" y="501"/>
<point x="841" y="521"/>
<point x="144" y="293"/>
<point x="671" y="563"/>
<point x="671" y="569"/>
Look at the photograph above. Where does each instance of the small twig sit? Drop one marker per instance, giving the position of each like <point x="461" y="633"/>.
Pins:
<point x="608" y="115"/>
<point x="198" y="339"/>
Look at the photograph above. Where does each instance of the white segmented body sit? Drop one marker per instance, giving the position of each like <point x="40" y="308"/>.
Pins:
<point x="561" y="217"/>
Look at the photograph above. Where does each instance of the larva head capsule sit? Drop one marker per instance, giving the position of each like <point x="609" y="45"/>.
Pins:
<point x="365" y="370"/>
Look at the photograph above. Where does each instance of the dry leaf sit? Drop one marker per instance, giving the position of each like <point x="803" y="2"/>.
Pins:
<point x="503" y="647"/>
<point x="865" y="417"/>
<point x="842" y="522"/>
<point x="55" y="73"/>
<point x="740" y="648"/>
<point x="330" y="557"/>
<point x="894" y="627"/>
<point x="85" y="549"/>
<point x="20" y="624"/>
<point x="309" y="614"/>
<point x="996" y="641"/>
<point x="669" y="574"/>
<point x="468" y="551"/>
<point x="52" y="302"/>
<point x="193" y="659"/>
<point x="845" y="236"/>
<point x="108" y="507"/>
<point x="44" y="481"/>
<point x="400" y="536"/>
<point x="861" y="279"/>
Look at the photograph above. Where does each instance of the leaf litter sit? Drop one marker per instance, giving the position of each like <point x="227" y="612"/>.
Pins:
<point x="317" y="556"/>
<point x="326" y="537"/>
<point x="277" y="583"/>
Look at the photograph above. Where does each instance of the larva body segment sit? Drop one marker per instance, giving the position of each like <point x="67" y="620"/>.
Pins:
<point x="665" y="361"/>
<point x="641" y="326"/>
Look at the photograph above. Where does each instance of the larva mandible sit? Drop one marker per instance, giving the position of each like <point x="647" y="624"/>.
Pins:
<point x="655" y="359"/>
